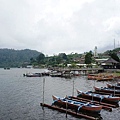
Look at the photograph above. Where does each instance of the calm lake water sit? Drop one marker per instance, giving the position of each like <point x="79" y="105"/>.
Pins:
<point x="20" y="97"/>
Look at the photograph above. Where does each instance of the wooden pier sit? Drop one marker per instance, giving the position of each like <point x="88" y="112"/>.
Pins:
<point x="80" y="70"/>
<point x="69" y="112"/>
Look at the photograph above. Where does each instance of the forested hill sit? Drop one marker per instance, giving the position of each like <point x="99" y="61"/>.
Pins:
<point x="15" y="58"/>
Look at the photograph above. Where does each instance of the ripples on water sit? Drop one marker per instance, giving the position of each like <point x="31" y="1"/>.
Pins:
<point x="20" y="96"/>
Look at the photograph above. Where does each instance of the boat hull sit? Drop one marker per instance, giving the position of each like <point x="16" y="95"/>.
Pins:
<point x="113" y="86"/>
<point x="107" y="90"/>
<point x="100" y="98"/>
<point x="78" y="108"/>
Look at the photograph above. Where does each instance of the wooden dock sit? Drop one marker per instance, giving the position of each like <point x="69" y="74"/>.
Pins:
<point x="69" y="112"/>
<point x="83" y="70"/>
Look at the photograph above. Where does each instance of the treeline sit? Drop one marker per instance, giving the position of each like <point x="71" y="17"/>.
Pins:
<point x="22" y="58"/>
<point x="115" y="54"/>
<point x="16" y="58"/>
<point x="59" y="60"/>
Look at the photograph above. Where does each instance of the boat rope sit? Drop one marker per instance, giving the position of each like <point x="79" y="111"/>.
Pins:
<point x="87" y="104"/>
<point x="101" y="98"/>
<point x="79" y="108"/>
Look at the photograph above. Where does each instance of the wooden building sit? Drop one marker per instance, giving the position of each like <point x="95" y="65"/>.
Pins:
<point x="110" y="64"/>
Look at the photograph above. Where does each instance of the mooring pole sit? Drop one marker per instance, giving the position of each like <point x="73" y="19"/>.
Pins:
<point x="92" y="91"/>
<point x="43" y="92"/>
<point x="73" y="88"/>
<point x="66" y="106"/>
<point x="114" y="90"/>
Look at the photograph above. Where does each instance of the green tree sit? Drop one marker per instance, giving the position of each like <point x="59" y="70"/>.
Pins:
<point x="40" y="58"/>
<point x="63" y="56"/>
<point x="88" y="57"/>
<point x="114" y="56"/>
<point x="32" y="60"/>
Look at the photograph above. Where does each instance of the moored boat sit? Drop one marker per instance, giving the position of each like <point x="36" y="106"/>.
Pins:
<point x="98" y="97"/>
<point x="56" y="74"/>
<point x="77" y="106"/>
<point x="92" y="76"/>
<point x="118" y="83"/>
<point x="36" y="74"/>
<point x="107" y="90"/>
<point x="113" y="86"/>
<point x="105" y="78"/>
<point x="32" y="74"/>
<point x="100" y="77"/>
<point x="7" y="68"/>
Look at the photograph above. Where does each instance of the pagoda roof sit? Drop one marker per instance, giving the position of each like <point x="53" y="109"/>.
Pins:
<point x="110" y="60"/>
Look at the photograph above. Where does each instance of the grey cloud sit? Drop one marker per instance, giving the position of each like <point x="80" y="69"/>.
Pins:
<point x="53" y="27"/>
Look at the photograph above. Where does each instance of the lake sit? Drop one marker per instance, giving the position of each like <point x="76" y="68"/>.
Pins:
<point x="20" y="97"/>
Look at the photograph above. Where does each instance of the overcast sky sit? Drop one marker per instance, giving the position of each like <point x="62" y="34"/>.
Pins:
<point x="59" y="26"/>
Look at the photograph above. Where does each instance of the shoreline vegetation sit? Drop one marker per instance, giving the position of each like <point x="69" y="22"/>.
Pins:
<point x="105" y="66"/>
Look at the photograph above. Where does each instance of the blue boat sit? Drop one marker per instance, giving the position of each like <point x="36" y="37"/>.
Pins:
<point x="77" y="106"/>
<point x="98" y="97"/>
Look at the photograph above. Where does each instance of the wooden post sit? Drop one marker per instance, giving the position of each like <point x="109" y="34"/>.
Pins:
<point x="92" y="91"/>
<point x="43" y="91"/>
<point x="114" y="90"/>
<point x="73" y="88"/>
<point x="66" y="106"/>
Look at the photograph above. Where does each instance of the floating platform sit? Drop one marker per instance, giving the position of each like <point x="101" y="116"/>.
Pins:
<point x="70" y="112"/>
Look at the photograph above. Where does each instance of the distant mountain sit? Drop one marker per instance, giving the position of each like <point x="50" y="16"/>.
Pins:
<point x="15" y="58"/>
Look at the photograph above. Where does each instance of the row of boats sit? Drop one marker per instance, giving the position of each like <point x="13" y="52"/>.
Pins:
<point x="89" y="104"/>
<point x="114" y="90"/>
<point x="36" y="74"/>
<point x="64" y="74"/>
<point x="70" y="74"/>
<point x="102" y="77"/>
